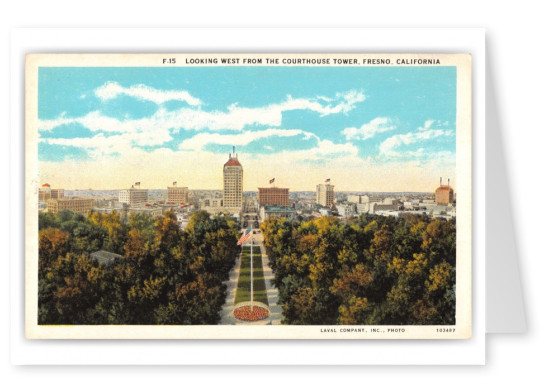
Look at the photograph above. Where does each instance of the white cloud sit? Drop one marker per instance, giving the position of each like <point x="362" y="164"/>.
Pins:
<point x="101" y="145"/>
<point x="428" y="123"/>
<point x="198" y="142"/>
<point x="235" y="118"/>
<point x="376" y="125"/>
<point x="346" y="102"/>
<point x="388" y="147"/>
<point x="324" y="151"/>
<point x="111" y="90"/>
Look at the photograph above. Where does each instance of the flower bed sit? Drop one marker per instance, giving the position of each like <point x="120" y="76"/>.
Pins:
<point x="245" y="313"/>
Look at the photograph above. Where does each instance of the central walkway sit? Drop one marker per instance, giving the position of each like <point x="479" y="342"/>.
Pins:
<point x="226" y="312"/>
<point x="271" y="291"/>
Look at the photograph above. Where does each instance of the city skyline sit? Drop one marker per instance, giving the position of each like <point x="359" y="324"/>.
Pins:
<point x="369" y="129"/>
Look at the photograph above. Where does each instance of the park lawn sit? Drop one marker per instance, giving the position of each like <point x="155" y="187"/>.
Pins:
<point x="244" y="283"/>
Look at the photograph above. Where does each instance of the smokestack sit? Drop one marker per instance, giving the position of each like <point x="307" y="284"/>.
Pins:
<point x="440" y="181"/>
<point x="234" y="149"/>
<point x="448" y="182"/>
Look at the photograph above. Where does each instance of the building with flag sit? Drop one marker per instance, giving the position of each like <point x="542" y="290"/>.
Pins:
<point x="133" y="196"/>
<point x="233" y="183"/>
<point x="177" y="194"/>
<point x="273" y="196"/>
<point x="325" y="194"/>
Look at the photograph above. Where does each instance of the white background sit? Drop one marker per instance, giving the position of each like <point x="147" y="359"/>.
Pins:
<point x="517" y="52"/>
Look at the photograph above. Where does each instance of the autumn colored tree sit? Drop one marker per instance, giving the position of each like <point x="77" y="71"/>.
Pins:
<point x="165" y="276"/>
<point x="366" y="270"/>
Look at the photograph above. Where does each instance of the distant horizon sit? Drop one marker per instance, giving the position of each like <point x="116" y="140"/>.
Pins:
<point x="256" y="191"/>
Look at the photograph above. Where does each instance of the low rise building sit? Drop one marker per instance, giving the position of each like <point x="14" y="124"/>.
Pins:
<point x="46" y="192"/>
<point x="375" y="207"/>
<point x="346" y="210"/>
<point x="362" y="208"/>
<point x="77" y="205"/>
<point x="213" y="202"/>
<point x="105" y="257"/>
<point x="391" y="201"/>
<point x="358" y="199"/>
<point x="153" y="211"/>
<point x="276" y="211"/>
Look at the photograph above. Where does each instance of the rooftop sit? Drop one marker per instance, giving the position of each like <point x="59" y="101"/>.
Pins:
<point x="278" y="208"/>
<point x="232" y="162"/>
<point x="105" y="257"/>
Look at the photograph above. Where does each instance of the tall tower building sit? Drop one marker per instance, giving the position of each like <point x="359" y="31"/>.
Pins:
<point x="233" y="183"/>
<point x="325" y="194"/>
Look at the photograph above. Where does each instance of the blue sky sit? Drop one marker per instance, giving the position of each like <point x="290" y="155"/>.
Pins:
<point x="385" y="127"/>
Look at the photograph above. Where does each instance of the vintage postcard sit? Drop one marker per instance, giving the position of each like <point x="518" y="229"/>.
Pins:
<point x="248" y="196"/>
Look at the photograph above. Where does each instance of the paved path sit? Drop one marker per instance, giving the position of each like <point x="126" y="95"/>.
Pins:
<point x="226" y="312"/>
<point x="271" y="290"/>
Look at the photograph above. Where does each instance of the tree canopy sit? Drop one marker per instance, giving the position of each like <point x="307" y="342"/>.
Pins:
<point x="368" y="270"/>
<point x="166" y="275"/>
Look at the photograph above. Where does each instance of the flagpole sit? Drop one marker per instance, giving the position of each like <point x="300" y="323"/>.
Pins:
<point x="251" y="273"/>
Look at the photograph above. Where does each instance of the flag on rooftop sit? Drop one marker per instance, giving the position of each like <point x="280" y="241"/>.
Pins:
<point x="137" y="184"/>
<point x="246" y="235"/>
<point x="328" y="180"/>
<point x="174" y="183"/>
<point x="272" y="180"/>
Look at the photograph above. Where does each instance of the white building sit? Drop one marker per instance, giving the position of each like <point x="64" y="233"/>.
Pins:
<point x="375" y="207"/>
<point x="362" y="208"/>
<point x="153" y="211"/>
<point x="133" y="197"/>
<point x="268" y="211"/>
<point x="233" y="184"/>
<point x="346" y="210"/>
<point x="358" y="199"/>
<point x="325" y="194"/>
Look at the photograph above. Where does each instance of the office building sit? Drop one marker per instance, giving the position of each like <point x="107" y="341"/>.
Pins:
<point x="273" y="196"/>
<point x="46" y="192"/>
<point x="444" y="194"/>
<point x="276" y="211"/>
<point x="178" y="195"/>
<point x="77" y="205"/>
<point x="133" y="196"/>
<point x="325" y="195"/>
<point x="233" y="183"/>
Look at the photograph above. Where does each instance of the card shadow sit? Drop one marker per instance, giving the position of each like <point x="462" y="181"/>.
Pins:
<point x="505" y="311"/>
